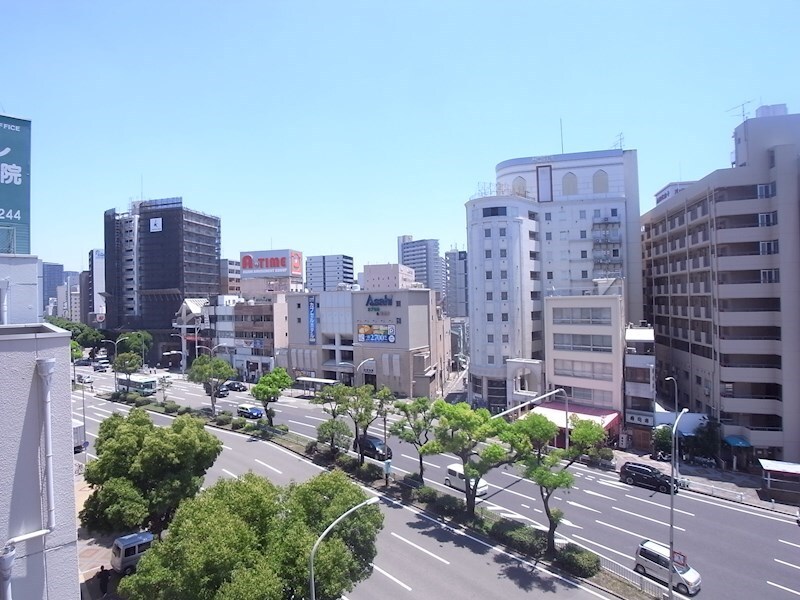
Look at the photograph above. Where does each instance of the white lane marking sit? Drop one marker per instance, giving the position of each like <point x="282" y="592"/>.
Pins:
<point x="524" y="506"/>
<point x="531" y="498"/>
<point x="660" y="505"/>
<point x="234" y="475"/>
<point x="790" y="543"/>
<point x="424" y="462"/>
<point x="617" y="485"/>
<point x="576" y="505"/>
<point x="292" y="454"/>
<point x="95" y="420"/>
<point x="599" y="495"/>
<point x="261" y="462"/>
<point x="636" y="535"/>
<point x="420" y="548"/>
<point x="783" y="562"/>
<point x="226" y="447"/>
<point x="633" y="514"/>
<point x="785" y="589"/>
<point x="303" y="424"/>
<point x="514" y="476"/>
<point x="588" y="541"/>
<point x="395" y="579"/>
<point x="695" y="498"/>
<point x="316" y="418"/>
<point x="193" y="394"/>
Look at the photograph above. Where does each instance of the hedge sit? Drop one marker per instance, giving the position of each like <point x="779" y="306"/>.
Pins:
<point x="577" y="561"/>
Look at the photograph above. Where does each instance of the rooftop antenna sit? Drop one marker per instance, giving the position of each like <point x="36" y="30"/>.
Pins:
<point x="620" y="141"/>
<point x="740" y="107"/>
<point x="561" y="126"/>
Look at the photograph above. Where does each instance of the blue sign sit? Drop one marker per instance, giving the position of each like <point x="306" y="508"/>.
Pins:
<point x="15" y="186"/>
<point x="312" y="319"/>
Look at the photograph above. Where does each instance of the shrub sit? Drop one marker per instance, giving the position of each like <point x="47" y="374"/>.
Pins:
<point x="282" y="428"/>
<point x="519" y="537"/>
<point x="184" y="410"/>
<point x="449" y="506"/>
<point x="413" y="480"/>
<point x="346" y="463"/>
<point x="141" y="401"/>
<point x="223" y="419"/>
<point x="311" y="447"/>
<point x="577" y="561"/>
<point x="238" y="423"/>
<point x="171" y="407"/>
<point x="369" y="472"/>
<point x="426" y="494"/>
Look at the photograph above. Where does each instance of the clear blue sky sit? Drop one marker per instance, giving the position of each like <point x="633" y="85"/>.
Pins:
<point x="333" y="127"/>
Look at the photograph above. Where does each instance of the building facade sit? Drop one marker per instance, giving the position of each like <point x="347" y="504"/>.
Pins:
<point x="423" y="256"/>
<point x="387" y="277"/>
<point x="52" y="277"/>
<point x="723" y="292"/>
<point x="230" y="277"/>
<point x="548" y="223"/>
<point x="15" y="186"/>
<point x="456" y="294"/>
<point x="267" y="271"/>
<point x="325" y="273"/>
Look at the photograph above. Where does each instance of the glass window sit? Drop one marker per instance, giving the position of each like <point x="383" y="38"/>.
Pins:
<point x="490" y="338"/>
<point x="503" y="295"/>
<point x="549" y="275"/>
<point x="502" y="253"/>
<point x="583" y="234"/>
<point x="582" y="214"/>
<point x="489" y="296"/>
<point x="614" y="212"/>
<point x="487" y="253"/>
<point x="488" y="274"/>
<point x="503" y="274"/>
<point x="490" y="359"/>
<point x="505" y="338"/>
<point x="502" y="232"/>
<point x="487" y="233"/>
<point x="584" y="254"/>
<point x="569" y="184"/>
<point x="504" y="316"/>
<point x="548" y="236"/>
<point x="490" y="316"/>
<point x="548" y="216"/>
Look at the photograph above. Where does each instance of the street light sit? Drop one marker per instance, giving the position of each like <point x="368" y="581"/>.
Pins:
<point x="372" y="500"/>
<point x="566" y="410"/>
<point x="672" y="481"/>
<point x="116" y="343"/>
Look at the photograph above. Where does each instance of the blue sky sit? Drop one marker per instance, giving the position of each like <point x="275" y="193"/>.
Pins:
<point x="333" y="127"/>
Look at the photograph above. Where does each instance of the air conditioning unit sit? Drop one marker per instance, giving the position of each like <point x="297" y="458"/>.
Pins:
<point x="605" y="220"/>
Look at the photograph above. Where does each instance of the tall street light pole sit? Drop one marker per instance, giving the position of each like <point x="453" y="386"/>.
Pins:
<point x="566" y="411"/>
<point x="116" y="344"/>
<point x="183" y="352"/>
<point x="673" y="453"/>
<point x="372" y="500"/>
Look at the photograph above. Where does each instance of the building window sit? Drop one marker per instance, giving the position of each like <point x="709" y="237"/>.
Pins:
<point x="502" y="232"/>
<point x="584" y="254"/>
<point x="613" y="212"/>
<point x="569" y="184"/>
<point x="505" y="338"/>
<point x="770" y="247"/>
<point x="519" y="187"/>
<point x="487" y="233"/>
<point x="768" y="219"/>
<point x="397" y="303"/>
<point x="504" y="316"/>
<point x="490" y="317"/>
<point x="600" y="182"/>
<point x="583" y="234"/>
<point x="532" y="216"/>
<point x="490" y="338"/>
<point x="532" y="274"/>
<point x="494" y="211"/>
<point x="487" y="253"/>
<point x="582" y="214"/>
<point x="490" y="359"/>
<point x="399" y="321"/>
<point x="503" y="295"/>
<point x="299" y="320"/>
<point x="615" y="252"/>
<point x="503" y="274"/>
<point x="489" y="296"/>
<point x="549" y="275"/>
<point x="548" y="216"/>
<point x="584" y="274"/>
<point x="532" y="235"/>
<point x="770" y="276"/>
<point x="596" y="213"/>
<point x="488" y="274"/>
<point x="548" y="236"/>
<point x="298" y="305"/>
<point x="503" y="252"/>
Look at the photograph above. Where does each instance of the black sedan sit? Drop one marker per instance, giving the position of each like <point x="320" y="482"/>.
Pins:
<point x="236" y="386"/>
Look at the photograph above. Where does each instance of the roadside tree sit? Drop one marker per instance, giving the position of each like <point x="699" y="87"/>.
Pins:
<point x="212" y="373"/>
<point x="415" y="426"/>
<point x="164" y="383"/>
<point x="269" y="389"/>
<point x="460" y="430"/>
<point x="247" y="539"/>
<point x="335" y="433"/>
<point x="529" y="437"/>
<point x="137" y="342"/>
<point x="364" y="407"/>
<point x="143" y="472"/>
<point x="75" y="350"/>
<point x="126" y="363"/>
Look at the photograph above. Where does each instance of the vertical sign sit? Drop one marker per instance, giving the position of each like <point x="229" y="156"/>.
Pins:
<point x="15" y="186"/>
<point x="544" y="183"/>
<point x="312" y="319"/>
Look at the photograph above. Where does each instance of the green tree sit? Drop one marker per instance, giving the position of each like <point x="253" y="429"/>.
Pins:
<point x="363" y="407"/>
<point x="164" y="383"/>
<point x="89" y="338"/>
<point x="75" y="350"/>
<point x="662" y="439"/>
<point x="248" y="539"/>
<point x="460" y="430"/>
<point x="529" y="437"/>
<point x="335" y="433"/>
<point x="212" y="373"/>
<point x="334" y="399"/>
<point x="143" y="472"/>
<point x="127" y="363"/>
<point x="269" y="389"/>
<point x="138" y="342"/>
<point x="415" y="426"/>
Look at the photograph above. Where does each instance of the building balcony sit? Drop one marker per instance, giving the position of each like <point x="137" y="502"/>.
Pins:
<point x="606" y="220"/>
<point x="750" y="374"/>
<point x="750" y="346"/>
<point x="747" y="262"/>
<point x="752" y="318"/>
<point x="748" y="290"/>
<point x="758" y="437"/>
<point x="733" y="235"/>
<point x="752" y="405"/>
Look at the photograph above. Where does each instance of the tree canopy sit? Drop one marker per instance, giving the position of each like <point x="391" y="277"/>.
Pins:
<point x="269" y="389"/>
<point x="142" y="472"/>
<point x="363" y="405"/>
<point x="133" y="342"/>
<point x="416" y="425"/>
<point x="127" y="362"/>
<point x="212" y="372"/>
<point x="86" y="336"/>
<point x="248" y="539"/>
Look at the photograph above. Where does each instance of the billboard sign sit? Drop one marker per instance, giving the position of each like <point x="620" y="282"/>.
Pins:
<point x="312" y="319"/>
<point x="381" y="334"/>
<point x="15" y="185"/>
<point x="271" y="263"/>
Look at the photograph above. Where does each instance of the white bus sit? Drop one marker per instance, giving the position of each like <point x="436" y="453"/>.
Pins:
<point x="144" y="385"/>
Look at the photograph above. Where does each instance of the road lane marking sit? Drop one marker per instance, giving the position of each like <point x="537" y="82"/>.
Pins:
<point x="617" y="485"/>
<point x="491" y="485"/>
<point x="234" y="475"/>
<point x="783" y="562"/>
<point x="790" y="543"/>
<point x="395" y="579"/>
<point x="420" y="548"/>
<point x="785" y="589"/>
<point x="95" y="420"/>
<point x="588" y="541"/>
<point x="261" y="462"/>
<point x="424" y="462"/>
<point x="193" y="394"/>
<point x="633" y="514"/>
<point x="660" y="505"/>
<point x="784" y="519"/>
<point x="293" y="455"/>
<point x="316" y="418"/>
<point x="576" y="505"/>
<point x="524" y="505"/>
<point x="303" y="424"/>
<point x="636" y="535"/>
<point x="226" y="447"/>
<point x="591" y="493"/>
<point x="507" y="474"/>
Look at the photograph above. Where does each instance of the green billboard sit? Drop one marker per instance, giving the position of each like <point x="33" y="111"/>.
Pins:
<point x="15" y="185"/>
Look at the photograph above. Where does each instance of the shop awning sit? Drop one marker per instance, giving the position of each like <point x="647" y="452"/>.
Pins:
<point x="556" y="412"/>
<point x="736" y="441"/>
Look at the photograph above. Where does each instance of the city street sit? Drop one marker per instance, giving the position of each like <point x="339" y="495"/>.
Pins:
<point x="740" y="551"/>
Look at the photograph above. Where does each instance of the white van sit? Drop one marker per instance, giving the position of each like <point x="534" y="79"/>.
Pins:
<point x="128" y="549"/>
<point x="652" y="559"/>
<point x="455" y="479"/>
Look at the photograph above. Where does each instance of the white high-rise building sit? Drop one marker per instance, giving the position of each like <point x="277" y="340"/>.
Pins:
<point x="723" y="292"/>
<point x="550" y="225"/>
<point x="455" y="289"/>
<point x="325" y="273"/>
<point x="422" y="256"/>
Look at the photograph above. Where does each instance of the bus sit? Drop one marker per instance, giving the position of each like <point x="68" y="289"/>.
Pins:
<point x="144" y="385"/>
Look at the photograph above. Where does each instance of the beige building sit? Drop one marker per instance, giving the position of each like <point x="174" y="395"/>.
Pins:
<point x="396" y="338"/>
<point x="722" y="290"/>
<point x="387" y="277"/>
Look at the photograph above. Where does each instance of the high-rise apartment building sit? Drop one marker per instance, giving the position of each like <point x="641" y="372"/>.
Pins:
<point x="422" y="256"/>
<point x="456" y="292"/>
<point x="230" y="277"/>
<point x="157" y="254"/>
<point x="549" y="225"/>
<point x="52" y="277"/>
<point x="723" y="291"/>
<point x="325" y="273"/>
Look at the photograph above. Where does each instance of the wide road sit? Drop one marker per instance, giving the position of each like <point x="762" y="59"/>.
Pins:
<point x="740" y="551"/>
<point x="418" y="557"/>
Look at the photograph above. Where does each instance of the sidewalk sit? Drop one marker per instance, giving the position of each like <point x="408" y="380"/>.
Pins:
<point x="92" y="552"/>
<point x="730" y="485"/>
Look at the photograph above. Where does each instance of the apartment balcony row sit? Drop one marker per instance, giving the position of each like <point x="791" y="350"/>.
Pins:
<point x="683" y="311"/>
<point x="759" y="437"/>
<point x="753" y="405"/>
<point x="601" y="221"/>
<point x="748" y="289"/>
<point x="752" y="373"/>
<point x="606" y="238"/>
<point x="750" y="233"/>
<point x="750" y="346"/>
<point x="749" y="318"/>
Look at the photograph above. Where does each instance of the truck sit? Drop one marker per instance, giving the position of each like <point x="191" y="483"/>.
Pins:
<point x="78" y="435"/>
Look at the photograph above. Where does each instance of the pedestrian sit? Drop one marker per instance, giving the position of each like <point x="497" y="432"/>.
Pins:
<point x="103" y="576"/>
